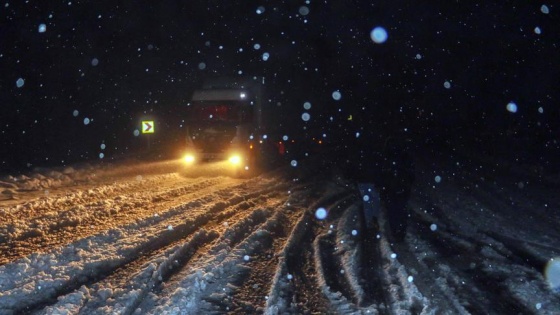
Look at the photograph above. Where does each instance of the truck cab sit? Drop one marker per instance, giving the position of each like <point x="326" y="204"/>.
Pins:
<point x="224" y="122"/>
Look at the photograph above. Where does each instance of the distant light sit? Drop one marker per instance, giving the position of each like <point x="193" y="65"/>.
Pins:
<point x="393" y="255"/>
<point x="378" y="35"/>
<point x="265" y="56"/>
<point x="86" y="121"/>
<point x="544" y="9"/>
<point x="410" y="278"/>
<point x="305" y="116"/>
<point x="336" y="95"/>
<point x="307" y="105"/>
<point x="201" y="66"/>
<point x="285" y="138"/>
<point x="293" y="163"/>
<point x="20" y="82"/>
<point x="537" y="30"/>
<point x="303" y="10"/>
<point x="541" y="110"/>
<point x="42" y="28"/>
<point x="447" y="84"/>
<point x="418" y="56"/>
<point x="437" y="179"/>
<point x="257" y="46"/>
<point x="246" y="257"/>
<point x="101" y="155"/>
<point x="321" y="213"/>
<point x="365" y="198"/>
<point x="260" y="10"/>
<point x="354" y="232"/>
<point x="242" y="95"/>
<point x="511" y="107"/>
<point x="433" y="227"/>
<point x="75" y="113"/>
<point x="136" y="132"/>
<point x="103" y="146"/>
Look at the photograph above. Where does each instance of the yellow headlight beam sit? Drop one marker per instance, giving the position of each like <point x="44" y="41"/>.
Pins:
<point x="189" y="158"/>
<point x="235" y="159"/>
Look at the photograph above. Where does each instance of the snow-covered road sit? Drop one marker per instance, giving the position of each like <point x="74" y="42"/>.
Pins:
<point x="152" y="238"/>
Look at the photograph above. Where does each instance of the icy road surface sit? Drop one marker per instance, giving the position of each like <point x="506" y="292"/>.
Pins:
<point x="146" y="238"/>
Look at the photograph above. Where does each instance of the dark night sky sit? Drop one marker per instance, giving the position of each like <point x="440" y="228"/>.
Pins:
<point x="149" y="52"/>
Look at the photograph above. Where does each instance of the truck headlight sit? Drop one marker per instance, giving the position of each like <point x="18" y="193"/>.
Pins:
<point x="235" y="159"/>
<point x="189" y="158"/>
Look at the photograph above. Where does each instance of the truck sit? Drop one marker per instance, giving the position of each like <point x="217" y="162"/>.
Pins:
<point x="227" y="121"/>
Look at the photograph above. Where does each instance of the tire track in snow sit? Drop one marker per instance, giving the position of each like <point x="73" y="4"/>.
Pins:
<point x="123" y="251"/>
<point x="214" y="280"/>
<point x="59" y="228"/>
<point x="466" y="268"/>
<point x="237" y="209"/>
<point x="296" y="284"/>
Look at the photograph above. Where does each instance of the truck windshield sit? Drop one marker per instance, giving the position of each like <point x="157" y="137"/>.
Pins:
<point x="233" y="112"/>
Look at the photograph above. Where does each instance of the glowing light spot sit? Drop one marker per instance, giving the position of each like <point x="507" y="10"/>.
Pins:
<point x="201" y="66"/>
<point x="366" y="198"/>
<point x="303" y="10"/>
<point x="285" y="138"/>
<point x="321" y="213"/>
<point x="307" y="106"/>
<point x="42" y="28"/>
<point x="246" y="257"/>
<point x="511" y="107"/>
<point x="75" y="113"/>
<point x="136" y="132"/>
<point x="260" y="10"/>
<point x="418" y="56"/>
<point x="544" y="9"/>
<point x="265" y="56"/>
<point x="103" y="146"/>
<point x="94" y="62"/>
<point x="336" y="95"/>
<point x="86" y="121"/>
<point x="101" y="155"/>
<point x="541" y="110"/>
<point x="289" y="276"/>
<point x="257" y="46"/>
<point x="170" y="227"/>
<point x="433" y="227"/>
<point x="293" y="163"/>
<point x="437" y="179"/>
<point x="538" y="306"/>
<point x="447" y="84"/>
<point x="393" y="255"/>
<point x="552" y="274"/>
<point x="410" y="278"/>
<point x="537" y="30"/>
<point x="305" y="116"/>
<point x="354" y="232"/>
<point x="20" y="82"/>
<point x="378" y="35"/>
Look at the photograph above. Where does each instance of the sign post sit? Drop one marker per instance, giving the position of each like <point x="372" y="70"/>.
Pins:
<point x="148" y="128"/>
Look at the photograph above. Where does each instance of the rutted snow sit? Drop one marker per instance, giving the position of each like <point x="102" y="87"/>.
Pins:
<point x="199" y="249"/>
